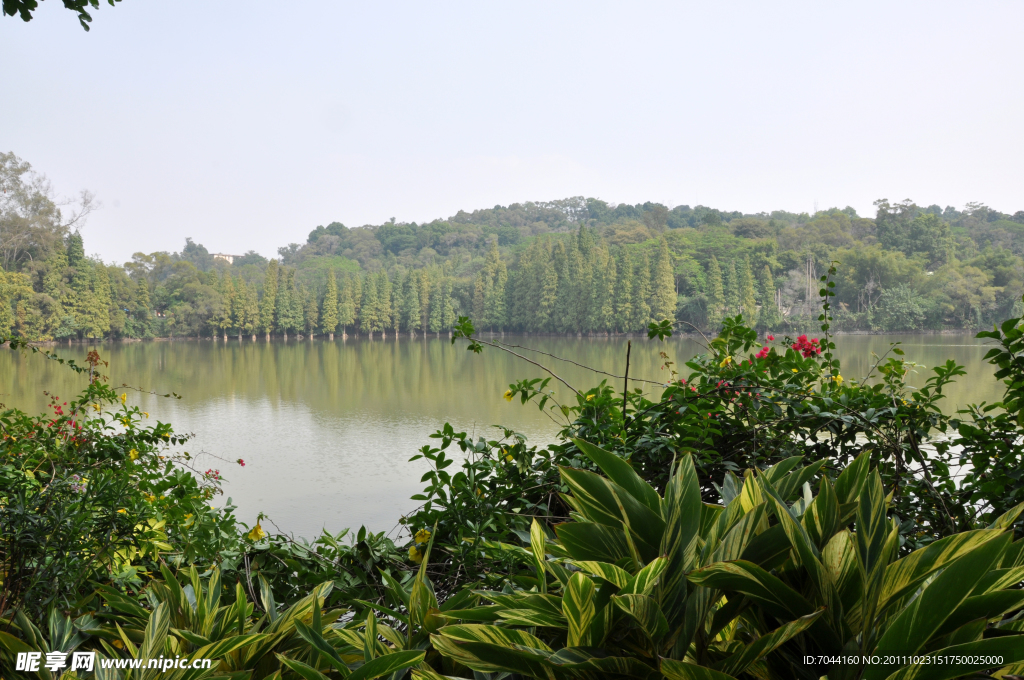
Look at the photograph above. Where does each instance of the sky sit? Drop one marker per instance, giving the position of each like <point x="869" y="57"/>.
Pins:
<point x="244" y="125"/>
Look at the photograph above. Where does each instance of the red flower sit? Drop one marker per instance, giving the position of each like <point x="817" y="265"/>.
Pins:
<point x="770" y="337"/>
<point x="808" y="348"/>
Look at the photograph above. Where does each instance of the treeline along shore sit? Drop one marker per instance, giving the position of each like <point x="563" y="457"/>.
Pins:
<point x="578" y="266"/>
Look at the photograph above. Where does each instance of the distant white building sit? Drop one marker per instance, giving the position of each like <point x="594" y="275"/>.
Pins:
<point x="230" y="259"/>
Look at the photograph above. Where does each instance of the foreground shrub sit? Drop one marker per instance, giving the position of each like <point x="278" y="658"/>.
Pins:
<point x="647" y="586"/>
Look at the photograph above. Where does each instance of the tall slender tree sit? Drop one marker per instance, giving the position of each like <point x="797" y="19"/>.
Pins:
<point x="663" y="299"/>
<point x="268" y="305"/>
<point x="310" y="310"/>
<point x="225" y="319"/>
<point x="251" y="316"/>
<point x="715" y="294"/>
<point x="411" y="308"/>
<point x="748" y="296"/>
<point x="771" y="317"/>
<point x="346" y="306"/>
<point x="329" y="313"/>
<point x="732" y="288"/>
<point x="624" y="292"/>
<point x="642" y="294"/>
<point x="369" y="322"/>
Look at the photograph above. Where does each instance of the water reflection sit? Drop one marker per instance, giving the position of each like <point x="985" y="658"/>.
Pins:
<point x="326" y="429"/>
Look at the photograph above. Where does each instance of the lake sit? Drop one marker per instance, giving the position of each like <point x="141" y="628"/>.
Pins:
<point x="327" y="428"/>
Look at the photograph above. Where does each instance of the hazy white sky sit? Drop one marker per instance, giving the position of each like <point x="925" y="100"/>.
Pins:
<point x="246" y="124"/>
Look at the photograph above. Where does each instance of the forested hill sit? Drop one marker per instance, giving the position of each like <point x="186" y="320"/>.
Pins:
<point x="578" y="265"/>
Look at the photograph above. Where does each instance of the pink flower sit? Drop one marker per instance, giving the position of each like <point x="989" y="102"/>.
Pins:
<point x="770" y="337"/>
<point x="241" y="462"/>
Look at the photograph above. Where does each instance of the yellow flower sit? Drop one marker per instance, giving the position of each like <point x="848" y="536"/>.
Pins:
<point x="150" y="498"/>
<point x="415" y="555"/>
<point x="257" y="533"/>
<point x="508" y="395"/>
<point x="122" y="511"/>
<point x="590" y="397"/>
<point x="422" y="536"/>
<point x="95" y="407"/>
<point x="837" y="379"/>
<point x="796" y="370"/>
<point x="725" y="362"/>
<point x="133" y="454"/>
<point x="124" y="396"/>
<point x="145" y="414"/>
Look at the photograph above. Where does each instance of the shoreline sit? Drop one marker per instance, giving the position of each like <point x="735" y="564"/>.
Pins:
<point x="428" y="336"/>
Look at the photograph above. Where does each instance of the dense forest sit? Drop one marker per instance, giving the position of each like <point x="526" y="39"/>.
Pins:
<point x="579" y="266"/>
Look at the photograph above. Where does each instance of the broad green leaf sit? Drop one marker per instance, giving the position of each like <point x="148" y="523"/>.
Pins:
<point x="609" y="572"/>
<point x="906" y="574"/>
<point x="647" y="614"/>
<point x="622" y="473"/>
<point x="301" y="669"/>
<point x="765" y="645"/>
<point x="327" y="651"/>
<point x="682" y="512"/>
<point x="751" y="580"/>
<point x="156" y="632"/>
<point x="503" y="637"/>
<point x="775" y="473"/>
<point x="999" y="579"/>
<point x="421" y="599"/>
<point x="795" y="480"/>
<point x="537" y="544"/>
<point x="425" y="672"/>
<point x="919" y="621"/>
<point x="750" y="493"/>
<point x="810" y="558"/>
<point x="492" y="658"/>
<point x="840" y="559"/>
<point x="579" y="609"/>
<point x="1010" y="648"/>
<point x="387" y="664"/>
<point x="851" y="481"/>
<point x="645" y="579"/>
<point x="1006" y="520"/>
<point x="822" y="517"/>
<point x="224" y="647"/>
<point x="370" y="638"/>
<point x="583" y="663"/>
<point x="533" y="617"/>
<point x="267" y="595"/>
<point x="607" y="503"/>
<point x="680" y="670"/>
<point x="592" y="542"/>
<point x="395" y="588"/>
<point x="479" y="613"/>
<point x="986" y="606"/>
<point x="735" y="541"/>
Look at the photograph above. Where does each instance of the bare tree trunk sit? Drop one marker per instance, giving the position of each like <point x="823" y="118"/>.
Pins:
<point x="332" y="337"/>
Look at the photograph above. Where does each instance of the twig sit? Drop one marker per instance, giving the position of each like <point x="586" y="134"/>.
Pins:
<point x="570" y="361"/>
<point x="625" y="383"/>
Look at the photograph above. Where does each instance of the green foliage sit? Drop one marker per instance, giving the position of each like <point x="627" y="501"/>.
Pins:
<point x="575" y="266"/>
<point x="650" y="585"/>
<point x="25" y="8"/>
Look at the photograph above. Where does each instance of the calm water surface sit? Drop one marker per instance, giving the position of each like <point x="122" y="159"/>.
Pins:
<point x="326" y="428"/>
